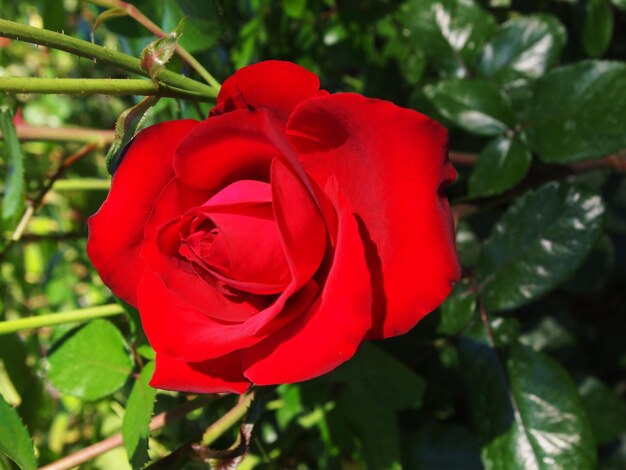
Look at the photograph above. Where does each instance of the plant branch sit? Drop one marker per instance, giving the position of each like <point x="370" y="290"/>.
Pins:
<point x="92" y="86"/>
<point x="138" y="16"/>
<point x="99" y="448"/>
<point x="62" y="134"/>
<point x="82" y="184"/>
<point x="71" y="316"/>
<point x="227" y="421"/>
<point x="33" y="204"/>
<point x="87" y="49"/>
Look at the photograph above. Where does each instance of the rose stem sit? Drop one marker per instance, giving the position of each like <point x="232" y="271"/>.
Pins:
<point x="47" y="38"/>
<point x="63" y="134"/>
<point x="70" y="316"/>
<point x="227" y="421"/>
<point x="138" y="16"/>
<point x="114" y="441"/>
<point x="93" y="86"/>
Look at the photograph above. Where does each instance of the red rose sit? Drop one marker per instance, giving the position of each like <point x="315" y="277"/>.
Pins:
<point x="265" y="243"/>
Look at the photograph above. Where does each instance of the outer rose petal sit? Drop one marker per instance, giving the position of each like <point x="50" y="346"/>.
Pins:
<point x="330" y="332"/>
<point x="391" y="163"/>
<point x="275" y="85"/>
<point x="219" y="375"/>
<point x="182" y="331"/>
<point x="116" y="230"/>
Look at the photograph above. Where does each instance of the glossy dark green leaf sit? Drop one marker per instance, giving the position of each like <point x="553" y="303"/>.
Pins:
<point x="373" y="387"/>
<point x="501" y="165"/>
<point x="549" y="334"/>
<point x="577" y="112"/>
<point x="594" y="274"/>
<point x="467" y="244"/>
<point x="91" y="361"/>
<point x="524" y="47"/>
<point x="442" y="447"/>
<point x="15" y="442"/>
<point x="621" y="4"/>
<point x="606" y="410"/>
<point x="203" y="24"/>
<point x="478" y="106"/>
<point x="451" y="32"/>
<point x="457" y="310"/>
<point x="136" y="423"/>
<point x="538" y="243"/>
<point x="597" y="28"/>
<point x="527" y="411"/>
<point x="14" y="180"/>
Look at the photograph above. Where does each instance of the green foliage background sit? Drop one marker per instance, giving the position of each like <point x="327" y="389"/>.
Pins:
<point x="523" y="367"/>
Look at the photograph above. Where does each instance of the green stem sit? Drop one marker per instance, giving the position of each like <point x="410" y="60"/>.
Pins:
<point x="228" y="420"/>
<point x="142" y="19"/>
<point x="82" y="184"/>
<point x="91" y="86"/>
<point x="71" y="316"/>
<point x="87" y="49"/>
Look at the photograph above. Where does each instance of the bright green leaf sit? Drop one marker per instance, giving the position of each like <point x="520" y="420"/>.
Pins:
<point x="577" y="112"/>
<point x="14" y="182"/>
<point x="451" y="32"/>
<point x="606" y="410"/>
<point x="91" y="361"/>
<point x="538" y="242"/>
<point x="524" y="47"/>
<point x="136" y="424"/>
<point x="457" y="310"/>
<point x="597" y="28"/>
<point x="527" y="412"/>
<point x="477" y="106"/>
<point x="15" y="442"/>
<point x="501" y="165"/>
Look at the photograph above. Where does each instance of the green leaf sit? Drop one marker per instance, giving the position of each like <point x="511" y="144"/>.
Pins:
<point x="54" y="15"/>
<point x="91" y="361"/>
<point x="477" y="106"/>
<point x="527" y="413"/>
<point x="606" y="410"/>
<point x="443" y="447"/>
<point x="371" y="389"/>
<point x="457" y="310"/>
<point x="501" y="165"/>
<point x="107" y="15"/>
<point x="128" y="125"/>
<point x="594" y="274"/>
<point x="621" y="4"/>
<point x="523" y="47"/>
<point x="597" y="28"/>
<point x="136" y="424"/>
<point x="538" y="242"/>
<point x="15" y="442"/>
<point x="451" y="32"/>
<point x="14" y="182"/>
<point x="467" y="244"/>
<point x="577" y="110"/>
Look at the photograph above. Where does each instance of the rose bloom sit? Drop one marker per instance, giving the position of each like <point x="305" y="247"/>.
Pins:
<point x="265" y="243"/>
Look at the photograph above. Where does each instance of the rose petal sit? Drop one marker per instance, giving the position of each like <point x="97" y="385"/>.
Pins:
<point x="224" y="149"/>
<point x="299" y="220"/>
<point x="116" y="230"/>
<point x="328" y="333"/>
<point x="391" y="163"/>
<point x="179" y="276"/>
<point x="275" y="85"/>
<point x="182" y="331"/>
<point x="219" y="375"/>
